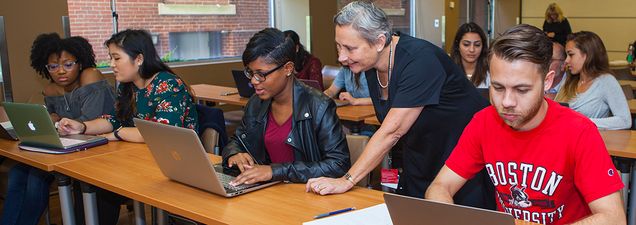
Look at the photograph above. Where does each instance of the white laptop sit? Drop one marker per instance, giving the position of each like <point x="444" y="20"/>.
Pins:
<point x="182" y="158"/>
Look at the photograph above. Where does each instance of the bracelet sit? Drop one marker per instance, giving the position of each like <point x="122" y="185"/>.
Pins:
<point x="116" y="134"/>
<point x="348" y="177"/>
<point x="83" y="130"/>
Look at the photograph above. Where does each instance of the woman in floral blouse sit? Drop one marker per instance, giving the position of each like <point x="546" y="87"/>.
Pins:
<point x="148" y="90"/>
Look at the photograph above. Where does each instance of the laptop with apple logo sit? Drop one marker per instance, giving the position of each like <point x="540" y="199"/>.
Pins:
<point x="37" y="132"/>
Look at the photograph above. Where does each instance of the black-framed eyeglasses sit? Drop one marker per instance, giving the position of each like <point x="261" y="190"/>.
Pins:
<point x="260" y="77"/>
<point x="54" y="67"/>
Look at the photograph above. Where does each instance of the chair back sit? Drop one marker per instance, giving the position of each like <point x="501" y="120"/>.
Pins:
<point x="356" y="145"/>
<point x="212" y="128"/>
<point x="329" y="73"/>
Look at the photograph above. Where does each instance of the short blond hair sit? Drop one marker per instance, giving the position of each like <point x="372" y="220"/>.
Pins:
<point x="553" y="8"/>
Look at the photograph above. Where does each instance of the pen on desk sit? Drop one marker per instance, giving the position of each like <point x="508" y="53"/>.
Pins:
<point x="334" y="213"/>
<point x="229" y="93"/>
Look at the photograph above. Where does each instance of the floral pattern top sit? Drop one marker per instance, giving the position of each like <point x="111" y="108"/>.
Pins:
<point x="166" y="100"/>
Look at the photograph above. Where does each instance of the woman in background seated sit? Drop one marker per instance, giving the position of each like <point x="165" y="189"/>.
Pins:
<point x="76" y="90"/>
<point x="355" y="86"/>
<point x="290" y="129"/>
<point x="306" y="66"/>
<point x="148" y="90"/>
<point x="470" y="51"/>
<point x="591" y="89"/>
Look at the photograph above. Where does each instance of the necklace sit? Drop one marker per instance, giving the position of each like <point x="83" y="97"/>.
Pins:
<point x="389" y="71"/>
<point x="68" y="106"/>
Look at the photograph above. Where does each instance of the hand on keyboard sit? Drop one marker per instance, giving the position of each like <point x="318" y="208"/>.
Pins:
<point x="253" y="174"/>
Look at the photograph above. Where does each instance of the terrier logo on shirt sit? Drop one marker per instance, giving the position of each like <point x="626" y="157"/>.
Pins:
<point x="519" y="197"/>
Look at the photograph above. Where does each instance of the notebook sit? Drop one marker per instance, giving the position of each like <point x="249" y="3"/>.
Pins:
<point x="182" y="158"/>
<point x="37" y="133"/>
<point x="405" y="210"/>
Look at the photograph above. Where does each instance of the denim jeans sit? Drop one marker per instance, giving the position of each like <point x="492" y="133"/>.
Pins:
<point x="27" y="195"/>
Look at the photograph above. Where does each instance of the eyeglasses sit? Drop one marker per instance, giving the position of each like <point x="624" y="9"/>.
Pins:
<point x="54" y="67"/>
<point x="260" y="77"/>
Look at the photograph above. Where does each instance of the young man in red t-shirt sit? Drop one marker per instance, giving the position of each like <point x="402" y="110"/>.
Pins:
<point x="548" y="163"/>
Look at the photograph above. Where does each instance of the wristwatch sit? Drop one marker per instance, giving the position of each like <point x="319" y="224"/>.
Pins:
<point x="348" y="177"/>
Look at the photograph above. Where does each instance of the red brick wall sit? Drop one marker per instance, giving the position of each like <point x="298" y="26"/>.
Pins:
<point x="92" y="19"/>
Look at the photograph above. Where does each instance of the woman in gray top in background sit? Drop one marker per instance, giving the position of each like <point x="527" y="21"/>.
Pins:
<point x="592" y="90"/>
<point x="77" y="90"/>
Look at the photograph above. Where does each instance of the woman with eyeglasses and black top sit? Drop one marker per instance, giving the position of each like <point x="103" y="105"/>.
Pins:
<point x="290" y="131"/>
<point x="76" y="90"/>
<point x="421" y="97"/>
<point x="148" y="90"/>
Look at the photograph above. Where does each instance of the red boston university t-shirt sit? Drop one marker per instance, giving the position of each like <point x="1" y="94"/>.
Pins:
<point x="546" y="175"/>
<point x="275" y="140"/>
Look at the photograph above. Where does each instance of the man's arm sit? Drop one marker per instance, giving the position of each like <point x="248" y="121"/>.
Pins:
<point x="607" y="210"/>
<point x="445" y="185"/>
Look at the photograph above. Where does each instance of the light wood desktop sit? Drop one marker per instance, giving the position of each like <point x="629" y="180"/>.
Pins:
<point x="47" y="162"/>
<point x="213" y="93"/>
<point x="373" y="120"/>
<point x="621" y="143"/>
<point x="355" y="113"/>
<point x="135" y="174"/>
<point x="219" y="94"/>
<point x="632" y="106"/>
<point x="631" y="83"/>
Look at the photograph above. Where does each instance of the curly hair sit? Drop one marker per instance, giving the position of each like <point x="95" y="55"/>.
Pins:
<point x="47" y="44"/>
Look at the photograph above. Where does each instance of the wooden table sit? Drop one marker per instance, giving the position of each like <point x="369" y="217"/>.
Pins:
<point x="631" y="83"/>
<point x="356" y="113"/>
<point x="47" y="162"/>
<point x="373" y="120"/>
<point x="134" y="174"/>
<point x="622" y="143"/>
<point x="214" y="93"/>
<point x="632" y="106"/>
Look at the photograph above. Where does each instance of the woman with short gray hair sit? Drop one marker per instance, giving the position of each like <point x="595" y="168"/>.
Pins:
<point x="420" y="95"/>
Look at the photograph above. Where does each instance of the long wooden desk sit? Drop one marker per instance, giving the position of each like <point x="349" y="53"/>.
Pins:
<point x="355" y="113"/>
<point x="622" y="143"/>
<point x="47" y="162"/>
<point x="373" y="120"/>
<point x="632" y="106"/>
<point x="213" y="93"/>
<point x="134" y="174"/>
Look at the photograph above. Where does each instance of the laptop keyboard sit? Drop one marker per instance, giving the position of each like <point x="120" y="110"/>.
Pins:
<point x="68" y="142"/>
<point x="225" y="180"/>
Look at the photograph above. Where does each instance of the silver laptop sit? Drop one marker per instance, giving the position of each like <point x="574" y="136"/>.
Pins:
<point x="182" y="158"/>
<point x="36" y="131"/>
<point x="7" y="131"/>
<point x="408" y="210"/>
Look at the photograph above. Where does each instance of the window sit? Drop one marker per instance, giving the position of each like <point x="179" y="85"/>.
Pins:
<point x="398" y="11"/>
<point x="183" y="30"/>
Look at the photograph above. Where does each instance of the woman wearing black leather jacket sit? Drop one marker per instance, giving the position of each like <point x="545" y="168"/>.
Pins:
<point x="290" y="131"/>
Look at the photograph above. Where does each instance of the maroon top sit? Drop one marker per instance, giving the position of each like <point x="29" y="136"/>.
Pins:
<point x="312" y="70"/>
<point x="276" y="140"/>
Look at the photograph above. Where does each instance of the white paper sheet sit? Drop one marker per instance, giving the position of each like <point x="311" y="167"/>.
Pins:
<point x="374" y="215"/>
